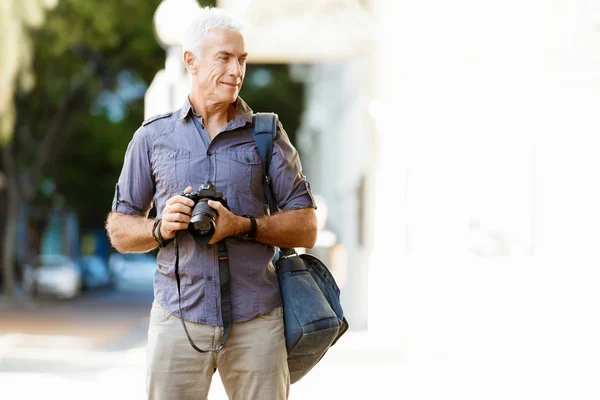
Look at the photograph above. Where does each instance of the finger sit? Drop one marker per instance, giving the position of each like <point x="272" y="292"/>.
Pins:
<point x="215" y="204"/>
<point x="179" y="197"/>
<point x="215" y="239"/>
<point x="171" y="226"/>
<point x="169" y="229"/>
<point x="179" y="208"/>
<point x="183" y="200"/>
<point x="177" y="217"/>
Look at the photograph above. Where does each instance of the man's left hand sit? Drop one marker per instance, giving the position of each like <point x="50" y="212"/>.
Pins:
<point x="226" y="224"/>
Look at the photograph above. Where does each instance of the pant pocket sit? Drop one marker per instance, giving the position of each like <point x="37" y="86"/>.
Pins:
<point x="274" y="314"/>
<point x="158" y="313"/>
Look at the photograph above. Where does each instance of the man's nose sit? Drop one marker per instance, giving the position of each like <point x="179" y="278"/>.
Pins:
<point x="235" y="69"/>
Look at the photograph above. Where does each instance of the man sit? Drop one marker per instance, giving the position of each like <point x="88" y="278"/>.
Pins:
<point x="210" y="140"/>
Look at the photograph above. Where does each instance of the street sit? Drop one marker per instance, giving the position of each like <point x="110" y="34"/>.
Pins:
<point x="93" y="347"/>
<point x="503" y="330"/>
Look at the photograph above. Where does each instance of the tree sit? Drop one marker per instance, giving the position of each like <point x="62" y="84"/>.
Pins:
<point x="17" y="19"/>
<point x="80" y="53"/>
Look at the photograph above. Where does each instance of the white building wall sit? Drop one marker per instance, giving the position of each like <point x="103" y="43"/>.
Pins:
<point x="335" y="143"/>
<point x="484" y="144"/>
<point x="495" y="106"/>
<point x="489" y="111"/>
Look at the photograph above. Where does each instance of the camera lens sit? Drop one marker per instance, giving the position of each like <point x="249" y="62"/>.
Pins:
<point x="203" y="218"/>
<point x="203" y="226"/>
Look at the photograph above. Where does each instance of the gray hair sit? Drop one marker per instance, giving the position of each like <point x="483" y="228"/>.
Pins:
<point x="207" y="18"/>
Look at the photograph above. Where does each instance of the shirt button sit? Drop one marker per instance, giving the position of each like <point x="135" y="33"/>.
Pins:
<point x="209" y="278"/>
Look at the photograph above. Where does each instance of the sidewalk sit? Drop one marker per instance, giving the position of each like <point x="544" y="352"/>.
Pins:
<point x="95" y="348"/>
<point x="68" y="370"/>
<point x="503" y="330"/>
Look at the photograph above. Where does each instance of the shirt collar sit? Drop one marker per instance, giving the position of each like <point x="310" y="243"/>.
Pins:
<point x="243" y="113"/>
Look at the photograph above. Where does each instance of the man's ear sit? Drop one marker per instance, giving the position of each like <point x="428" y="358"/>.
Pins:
<point x="189" y="60"/>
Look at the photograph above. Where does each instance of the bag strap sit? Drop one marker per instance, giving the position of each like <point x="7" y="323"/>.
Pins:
<point x="264" y="130"/>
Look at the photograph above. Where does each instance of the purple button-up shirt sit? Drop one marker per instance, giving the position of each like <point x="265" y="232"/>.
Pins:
<point x="170" y="152"/>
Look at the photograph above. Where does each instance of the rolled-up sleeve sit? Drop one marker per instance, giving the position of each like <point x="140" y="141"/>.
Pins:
<point x="292" y="189"/>
<point x="135" y="189"/>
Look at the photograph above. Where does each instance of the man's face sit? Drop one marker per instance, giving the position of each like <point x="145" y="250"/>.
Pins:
<point x="221" y="67"/>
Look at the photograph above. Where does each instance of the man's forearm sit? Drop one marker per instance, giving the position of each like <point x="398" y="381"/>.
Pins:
<point x="130" y="233"/>
<point x="297" y="228"/>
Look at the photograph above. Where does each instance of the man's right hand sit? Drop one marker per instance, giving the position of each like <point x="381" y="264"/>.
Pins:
<point x="176" y="215"/>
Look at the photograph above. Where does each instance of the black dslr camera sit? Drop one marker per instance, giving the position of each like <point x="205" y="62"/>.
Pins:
<point x="202" y="223"/>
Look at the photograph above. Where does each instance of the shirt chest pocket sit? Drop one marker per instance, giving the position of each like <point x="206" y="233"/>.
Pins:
<point x="245" y="171"/>
<point x="174" y="170"/>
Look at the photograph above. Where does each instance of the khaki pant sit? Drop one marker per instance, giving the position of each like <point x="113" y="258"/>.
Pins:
<point x="252" y="366"/>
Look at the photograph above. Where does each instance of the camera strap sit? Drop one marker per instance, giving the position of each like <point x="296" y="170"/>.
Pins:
<point x="225" y="294"/>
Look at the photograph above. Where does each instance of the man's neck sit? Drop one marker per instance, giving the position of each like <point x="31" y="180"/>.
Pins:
<point x="212" y="113"/>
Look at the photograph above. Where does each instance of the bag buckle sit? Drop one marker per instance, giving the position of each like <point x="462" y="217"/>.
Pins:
<point x="287" y="257"/>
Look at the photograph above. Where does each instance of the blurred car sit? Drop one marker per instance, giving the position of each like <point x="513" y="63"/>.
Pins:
<point x="132" y="272"/>
<point x="52" y="274"/>
<point x="94" y="272"/>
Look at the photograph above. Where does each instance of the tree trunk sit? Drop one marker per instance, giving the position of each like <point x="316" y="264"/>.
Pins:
<point x="10" y="227"/>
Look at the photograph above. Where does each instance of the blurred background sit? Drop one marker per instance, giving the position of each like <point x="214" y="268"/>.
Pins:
<point x="452" y="146"/>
